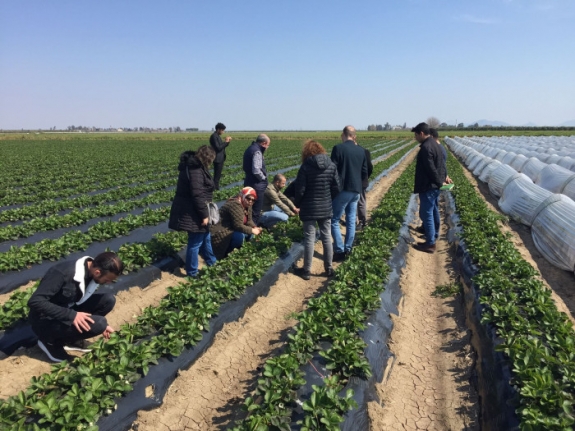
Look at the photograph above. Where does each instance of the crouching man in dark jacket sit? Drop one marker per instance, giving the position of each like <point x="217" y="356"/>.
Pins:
<point x="65" y="311"/>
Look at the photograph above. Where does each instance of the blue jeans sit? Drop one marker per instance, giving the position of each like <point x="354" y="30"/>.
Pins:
<point x="429" y="214"/>
<point x="436" y="216"/>
<point x="198" y="243"/>
<point x="269" y="218"/>
<point x="344" y="201"/>
<point x="237" y="240"/>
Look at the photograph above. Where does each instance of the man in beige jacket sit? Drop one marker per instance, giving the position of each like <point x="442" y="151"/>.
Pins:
<point x="277" y="207"/>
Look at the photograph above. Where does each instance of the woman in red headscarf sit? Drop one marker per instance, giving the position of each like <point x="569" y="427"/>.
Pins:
<point x="235" y="224"/>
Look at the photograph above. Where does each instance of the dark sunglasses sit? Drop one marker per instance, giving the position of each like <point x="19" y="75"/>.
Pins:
<point x="250" y="199"/>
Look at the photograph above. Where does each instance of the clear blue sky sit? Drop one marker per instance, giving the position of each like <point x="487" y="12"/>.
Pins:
<point x="263" y="65"/>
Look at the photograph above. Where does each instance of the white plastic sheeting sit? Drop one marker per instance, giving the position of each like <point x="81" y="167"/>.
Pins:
<point x="539" y="196"/>
<point x="567" y="162"/>
<point x="499" y="178"/>
<point x="533" y="167"/>
<point x="481" y="165"/>
<point x="521" y="198"/>
<point x="518" y="162"/>
<point x="569" y="189"/>
<point x="488" y="170"/>
<point x="553" y="232"/>
<point x="554" y="178"/>
<point x="508" y="157"/>
<point x="473" y="161"/>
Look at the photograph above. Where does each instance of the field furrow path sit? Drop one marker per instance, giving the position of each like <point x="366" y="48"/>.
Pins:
<point x="427" y="385"/>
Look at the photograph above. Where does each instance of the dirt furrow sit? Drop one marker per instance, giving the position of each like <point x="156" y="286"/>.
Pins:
<point x="427" y="384"/>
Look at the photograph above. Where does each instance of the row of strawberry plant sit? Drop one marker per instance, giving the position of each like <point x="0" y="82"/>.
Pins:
<point x="18" y="196"/>
<point x="336" y="318"/>
<point x="538" y="339"/>
<point x="20" y="257"/>
<point x="75" y="395"/>
<point x="134" y="255"/>
<point x="53" y="249"/>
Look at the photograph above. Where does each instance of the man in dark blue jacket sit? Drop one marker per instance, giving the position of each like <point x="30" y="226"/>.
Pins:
<point x="352" y="169"/>
<point x="429" y="177"/>
<point x="256" y="174"/>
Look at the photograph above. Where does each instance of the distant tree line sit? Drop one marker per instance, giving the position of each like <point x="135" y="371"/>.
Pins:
<point x="386" y="126"/>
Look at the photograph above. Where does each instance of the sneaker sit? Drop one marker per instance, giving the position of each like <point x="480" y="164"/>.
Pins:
<point x="329" y="272"/>
<point x="301" y="272"/>
<point x="425" y="247"/>
<point x="338" y="257"/>
<point x="78" y="346"/>
<point x="55" y="352"/>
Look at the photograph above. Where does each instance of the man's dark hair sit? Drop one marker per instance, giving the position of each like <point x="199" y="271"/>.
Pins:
<point x="421" y="127"/>
<point x="434" y="133"/>
<point x="108" y="262"/>
<point x="220" y="126"/>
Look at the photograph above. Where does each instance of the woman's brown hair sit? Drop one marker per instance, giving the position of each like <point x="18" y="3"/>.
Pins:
<point x="206" y="155"/>
<point x="311" y="148"/>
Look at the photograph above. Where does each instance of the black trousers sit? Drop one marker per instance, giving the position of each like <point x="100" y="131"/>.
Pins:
<point x="55" y="332"/>
<point x="218" y="168"/>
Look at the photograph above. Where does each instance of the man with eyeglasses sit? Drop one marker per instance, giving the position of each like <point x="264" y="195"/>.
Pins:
<point x="256" y="174"/>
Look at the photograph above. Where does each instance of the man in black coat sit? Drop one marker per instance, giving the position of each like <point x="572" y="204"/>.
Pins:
<point x="219" y="147"/>
<point x="64" y="310"/>
<point x="429" y="177"/>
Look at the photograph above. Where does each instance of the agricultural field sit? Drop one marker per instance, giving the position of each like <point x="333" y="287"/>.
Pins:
<point x="477" y="335"/>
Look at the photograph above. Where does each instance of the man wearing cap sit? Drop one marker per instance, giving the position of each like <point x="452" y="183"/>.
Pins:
<point x="219" y="147"/>
<point x="256" y="175"/>
<point x="429" y="177"/>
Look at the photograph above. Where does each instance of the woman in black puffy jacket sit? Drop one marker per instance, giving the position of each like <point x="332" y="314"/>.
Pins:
<point x="189" y="210"/>
<point x="317" y="183"/>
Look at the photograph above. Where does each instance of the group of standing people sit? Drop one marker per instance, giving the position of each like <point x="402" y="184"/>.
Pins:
<point x="324" y="190"/>
<point x="65" y="309"/>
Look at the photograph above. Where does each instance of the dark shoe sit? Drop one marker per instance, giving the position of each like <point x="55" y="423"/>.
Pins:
<point x="78" y="346"/>
<point x="361" y="226"/>
<point x="55" y="352"/>
<point x="301" y="272"/>
<point x="425" y="247"/>
<point x="338" y="257"/>
<point x="420" y="229"/>
<point x="329" y="272"/>
<point x="346" y="254"/>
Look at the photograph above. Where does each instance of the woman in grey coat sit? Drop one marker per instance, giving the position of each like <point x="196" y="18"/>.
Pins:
<point x="317" y="183"/>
